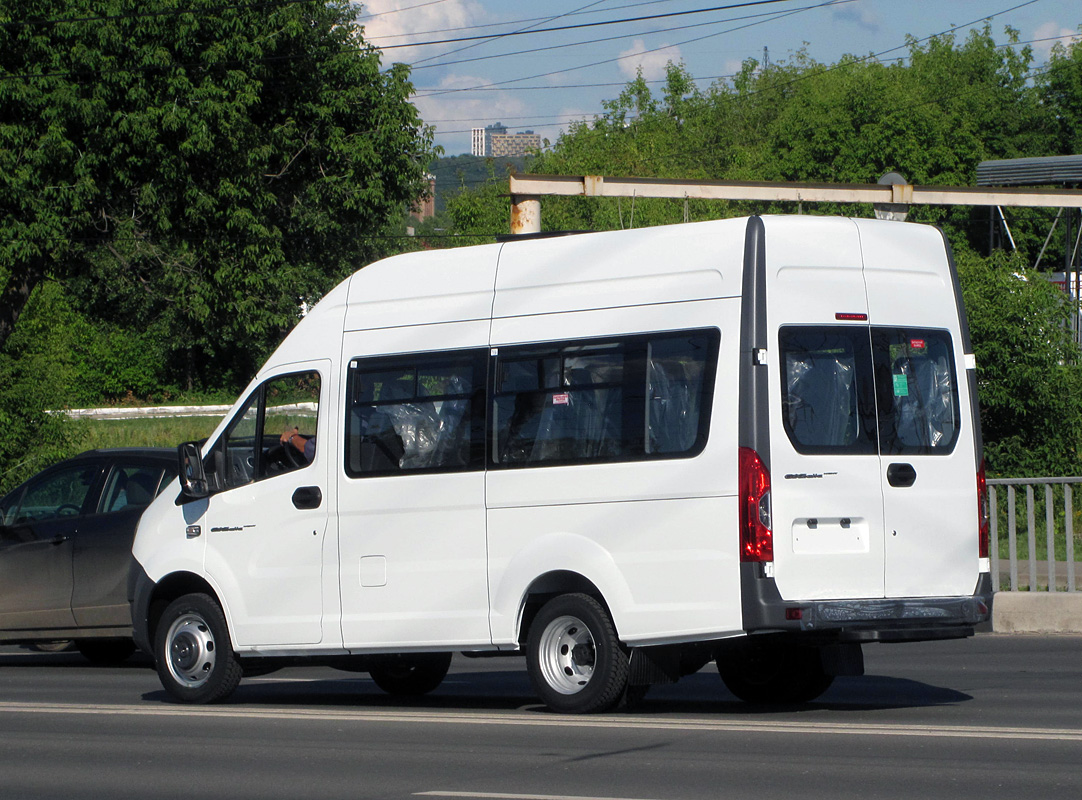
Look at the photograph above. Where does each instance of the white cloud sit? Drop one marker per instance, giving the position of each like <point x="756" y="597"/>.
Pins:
<point x="385" y="22"/>
<point x="652" y="63"/>
<point x="1052" y="32"/>
<point x="861" y="17"/>
<point x="455" y="113"/>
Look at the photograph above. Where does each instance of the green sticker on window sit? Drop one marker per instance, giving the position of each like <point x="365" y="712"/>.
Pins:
<point x="901" y="386"/>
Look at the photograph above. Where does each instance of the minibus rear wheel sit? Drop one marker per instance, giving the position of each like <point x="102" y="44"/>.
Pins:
<point x="411" y="675"/>
<point x="192" y="651"/>
<point x="573" y="657"/>
<point x="773" y="673"/>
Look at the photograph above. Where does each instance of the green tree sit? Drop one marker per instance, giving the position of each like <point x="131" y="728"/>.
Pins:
<point x="216" y="165"/>
<point x="187" y="173"/>
<point x="1060" y="86"/>
<point x="1029" y="368"/>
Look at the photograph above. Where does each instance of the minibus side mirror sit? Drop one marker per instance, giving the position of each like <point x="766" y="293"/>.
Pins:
<point x="193" y="479"/>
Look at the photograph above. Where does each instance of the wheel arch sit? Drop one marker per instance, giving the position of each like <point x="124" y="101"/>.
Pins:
<point x="168" y="589"/>
<point x="558" y="563"/>
<point x="550" y="585"/>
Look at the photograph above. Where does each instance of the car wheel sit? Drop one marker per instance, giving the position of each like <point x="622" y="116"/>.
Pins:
<point x="193" y="654"/>
<point x="106" y="652"/>
<point x="411" y="675"/>
<point x="574" y="659"/>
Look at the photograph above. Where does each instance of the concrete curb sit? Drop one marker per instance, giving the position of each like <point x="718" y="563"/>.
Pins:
<point x="1037" y="612"/>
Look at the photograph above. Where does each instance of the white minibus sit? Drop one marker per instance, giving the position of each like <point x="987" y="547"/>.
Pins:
<point x="622" y="455"/>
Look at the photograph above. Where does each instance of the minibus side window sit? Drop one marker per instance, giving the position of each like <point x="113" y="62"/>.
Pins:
<point x="623" y="400"/>
<point x="416" y="413"/>
<point x="827" y="399"/>
<point x="916" y="391"/>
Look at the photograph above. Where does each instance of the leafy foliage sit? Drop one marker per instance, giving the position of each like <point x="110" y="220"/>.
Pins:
<point x="1029" y="368"/>
<point x="213" y="165"/>
<point x="187" y="174"/>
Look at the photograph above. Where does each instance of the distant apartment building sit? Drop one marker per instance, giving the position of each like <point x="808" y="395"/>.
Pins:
<point x="494" y="141"/>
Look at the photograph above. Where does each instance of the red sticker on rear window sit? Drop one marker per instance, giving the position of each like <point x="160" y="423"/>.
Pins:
<point x="916" y="344"/>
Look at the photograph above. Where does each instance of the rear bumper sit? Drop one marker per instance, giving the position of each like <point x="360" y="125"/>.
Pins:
<point x="896" y="619"/>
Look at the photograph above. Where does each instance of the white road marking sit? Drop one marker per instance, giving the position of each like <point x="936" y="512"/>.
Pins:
<point x="542" y="720"/>
<point x="506" y="796"/>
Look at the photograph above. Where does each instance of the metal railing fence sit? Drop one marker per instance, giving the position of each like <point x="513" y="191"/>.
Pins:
<point x="1041" y="557"/>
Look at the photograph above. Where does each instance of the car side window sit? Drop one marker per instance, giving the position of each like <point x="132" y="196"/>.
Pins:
<point x="130" y="486"/>
<point x="59" y="494"/>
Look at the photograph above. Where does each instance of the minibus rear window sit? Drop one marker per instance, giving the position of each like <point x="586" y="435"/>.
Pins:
<point x="916" y="391"/>
<point x="861" y="390"/>
<point x="827" y="400"/>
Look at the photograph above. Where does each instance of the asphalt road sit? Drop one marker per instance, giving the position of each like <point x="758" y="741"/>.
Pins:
<point x="991" y="717"/>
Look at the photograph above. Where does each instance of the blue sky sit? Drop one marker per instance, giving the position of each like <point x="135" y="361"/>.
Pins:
<point x="569" y="73"/>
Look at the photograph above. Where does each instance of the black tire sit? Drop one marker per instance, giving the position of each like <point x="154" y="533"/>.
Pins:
<point x="574" y="659"/>
<point x="410" y="675"/>
<point x="51" y="647"/>
<point x="106" y="652"/>
<point x="192" y="651"/>
<point x="772" y="673"/>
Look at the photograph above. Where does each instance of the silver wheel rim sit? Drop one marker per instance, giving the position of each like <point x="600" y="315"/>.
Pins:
<point x="567" y="655"/>
<point x="190" y="651"/>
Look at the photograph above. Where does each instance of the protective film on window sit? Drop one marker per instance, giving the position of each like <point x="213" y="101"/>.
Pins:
<point x="416" y="413"/>
<point x="917" y="391"/>
<point x="605" y="400"/>
<point x="827" y="404"/>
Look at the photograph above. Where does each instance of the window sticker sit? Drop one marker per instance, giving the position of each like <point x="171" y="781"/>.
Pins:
<point x="901" y="386"/>
<point x="561" y="399"/>
<point x="916" y="344"/>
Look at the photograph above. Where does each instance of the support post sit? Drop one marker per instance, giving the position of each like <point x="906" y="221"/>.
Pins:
<point x="525" y="213"/>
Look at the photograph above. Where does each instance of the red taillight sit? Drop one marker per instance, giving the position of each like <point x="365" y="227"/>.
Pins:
<point x="756" y="540"/>
<point x="983" y="517"/>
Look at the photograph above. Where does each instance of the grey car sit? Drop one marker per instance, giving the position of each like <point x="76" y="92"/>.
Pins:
<point x="65" y="549"/>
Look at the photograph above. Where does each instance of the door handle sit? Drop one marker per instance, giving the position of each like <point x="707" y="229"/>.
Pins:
<point x="307" y="497"/>
<point x="901" y="475"/>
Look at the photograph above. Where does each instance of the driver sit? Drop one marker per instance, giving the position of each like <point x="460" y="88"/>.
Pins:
<point x="306" y="445"/>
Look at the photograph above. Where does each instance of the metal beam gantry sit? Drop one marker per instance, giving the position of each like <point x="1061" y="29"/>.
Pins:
<point x="526" y="192"/>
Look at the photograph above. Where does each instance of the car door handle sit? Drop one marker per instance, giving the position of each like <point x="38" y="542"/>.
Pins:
<point x="901" y="475"/>
<point x="57" y="540"/>
<point x="307" y="497"/>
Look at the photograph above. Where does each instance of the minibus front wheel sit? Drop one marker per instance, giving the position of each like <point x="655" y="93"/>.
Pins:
<point x="192" y="651"/>
<point x="574" y="659"/>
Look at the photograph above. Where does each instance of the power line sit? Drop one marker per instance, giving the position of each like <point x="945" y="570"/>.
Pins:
<point x="400" y="10"/>
<point x="512" y="33"/>
<point x="607" y="38"/>
<point x="696" y="79"/>
<point x="561" y="28"/>
<point x="495" y="85"/>
<point x="511" y="22"/>
<point x="773" y="17"/>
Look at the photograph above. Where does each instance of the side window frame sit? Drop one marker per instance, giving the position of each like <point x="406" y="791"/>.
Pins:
<point x="220" y="462"/>
<point x="865" y="441"/>
<point x="376" y="422"/>
<point x="907" y="344"/>
<point x="635" y="406"/>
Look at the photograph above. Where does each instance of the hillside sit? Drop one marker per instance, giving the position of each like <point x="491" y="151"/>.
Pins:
<point x="455" y="172"/>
